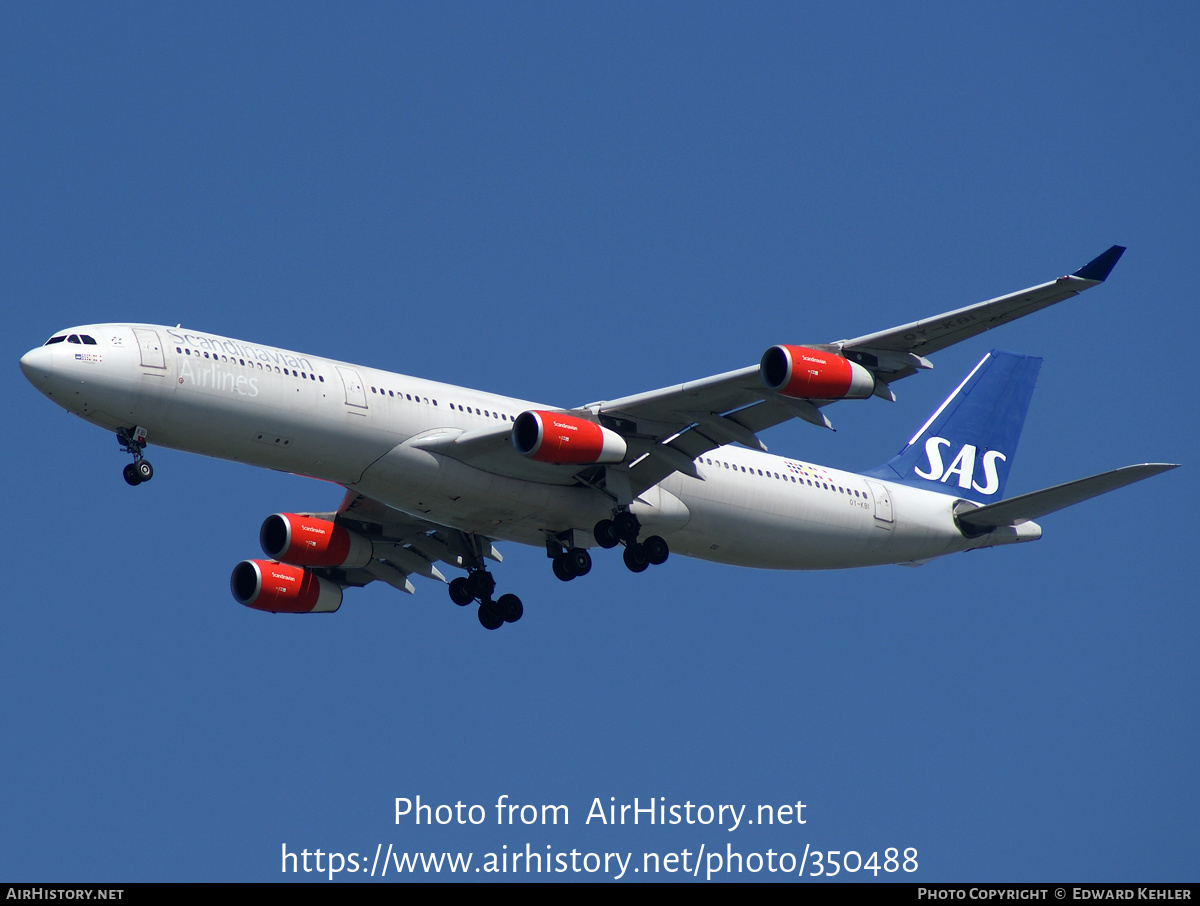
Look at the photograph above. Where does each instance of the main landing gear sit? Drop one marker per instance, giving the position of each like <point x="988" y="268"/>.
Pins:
<point x="624" y="528"/>
<point x="478" y="585"/>
<point x="569" y="561"/>
<point x="133" y="440"/>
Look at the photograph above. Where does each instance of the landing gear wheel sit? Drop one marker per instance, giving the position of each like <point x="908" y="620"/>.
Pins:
<point x="605" y="534"/>
<point x="578" y="561"/>
<point x="627" y="526"/>
<point x="133" y="441"/>
<point x="490" y="616"/>
<point x="460" y="591"/>
<point x="561" y="570"/>
<point x="635" y="558"/>
<point x="656" y="550"/>
<point x="481" y="584"/>
<point x="510" y="608"/>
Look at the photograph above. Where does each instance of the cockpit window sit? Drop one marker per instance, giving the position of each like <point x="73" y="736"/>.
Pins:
<point x="87" y="341"/>
<point x="73" y="339"/>
<point x="53" y="340"/>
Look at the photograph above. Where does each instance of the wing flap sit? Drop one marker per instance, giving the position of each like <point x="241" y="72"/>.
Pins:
<point x="717" y="394"/>
<point x="408" y="545"/>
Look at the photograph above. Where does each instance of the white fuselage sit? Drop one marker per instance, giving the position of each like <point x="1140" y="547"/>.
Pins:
<point x="355" y="426"/>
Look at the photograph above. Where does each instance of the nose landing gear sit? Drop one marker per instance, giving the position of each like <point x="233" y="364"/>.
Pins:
<point x="133" y="441"/>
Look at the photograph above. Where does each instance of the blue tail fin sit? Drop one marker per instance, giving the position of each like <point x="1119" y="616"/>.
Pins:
<point x="967" y="446"/>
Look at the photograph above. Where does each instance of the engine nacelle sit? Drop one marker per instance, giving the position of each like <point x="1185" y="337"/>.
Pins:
<point x="282" y="588"/>
<point x="307" y="541"/>
<point x="810" y="374"/>
<point x="565" y="439"/>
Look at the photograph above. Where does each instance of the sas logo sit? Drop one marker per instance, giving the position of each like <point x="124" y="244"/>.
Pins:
<point x="963" y="466"/>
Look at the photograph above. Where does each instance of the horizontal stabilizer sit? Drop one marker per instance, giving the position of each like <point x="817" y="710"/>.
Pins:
<point x="1039" y="503"/>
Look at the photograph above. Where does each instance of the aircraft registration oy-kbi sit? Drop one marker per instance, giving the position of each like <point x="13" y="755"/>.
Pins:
<point x="436" y="474"/>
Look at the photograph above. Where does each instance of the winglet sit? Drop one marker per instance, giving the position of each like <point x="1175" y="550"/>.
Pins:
<point x="1101" y="266"/>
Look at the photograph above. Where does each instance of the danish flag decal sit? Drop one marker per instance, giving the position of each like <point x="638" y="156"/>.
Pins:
<point x="966" y="448"/>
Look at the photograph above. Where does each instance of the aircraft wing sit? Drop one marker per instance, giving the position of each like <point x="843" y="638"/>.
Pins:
<point x="668" y="429"/>
<point x="687" y="420"/>
<point x="899" y="351"/>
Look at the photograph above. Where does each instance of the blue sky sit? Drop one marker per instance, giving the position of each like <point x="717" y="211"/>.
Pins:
<point x="567" y="203"/>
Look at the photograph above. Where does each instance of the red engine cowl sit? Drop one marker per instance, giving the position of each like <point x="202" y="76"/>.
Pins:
<point x="281" y="588"/>
<point x="306" y="541"/>
<point x="811" y="374"/>
<point x="565" y="439"/>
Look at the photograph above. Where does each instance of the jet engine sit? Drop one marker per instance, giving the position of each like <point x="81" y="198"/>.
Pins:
<point x="810" y="374"/>
<point x="565" y="439"/>
<point x="281" y="588"/>
<point x="308" y="541"/>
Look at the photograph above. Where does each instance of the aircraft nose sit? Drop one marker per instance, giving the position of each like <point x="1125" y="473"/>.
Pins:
<point x="36" y="366"/>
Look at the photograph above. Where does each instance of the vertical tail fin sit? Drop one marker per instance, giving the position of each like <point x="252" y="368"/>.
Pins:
<point x="967" y="446"/>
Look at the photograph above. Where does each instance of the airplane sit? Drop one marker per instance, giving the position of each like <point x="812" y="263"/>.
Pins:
<point x="437" y="474"/>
